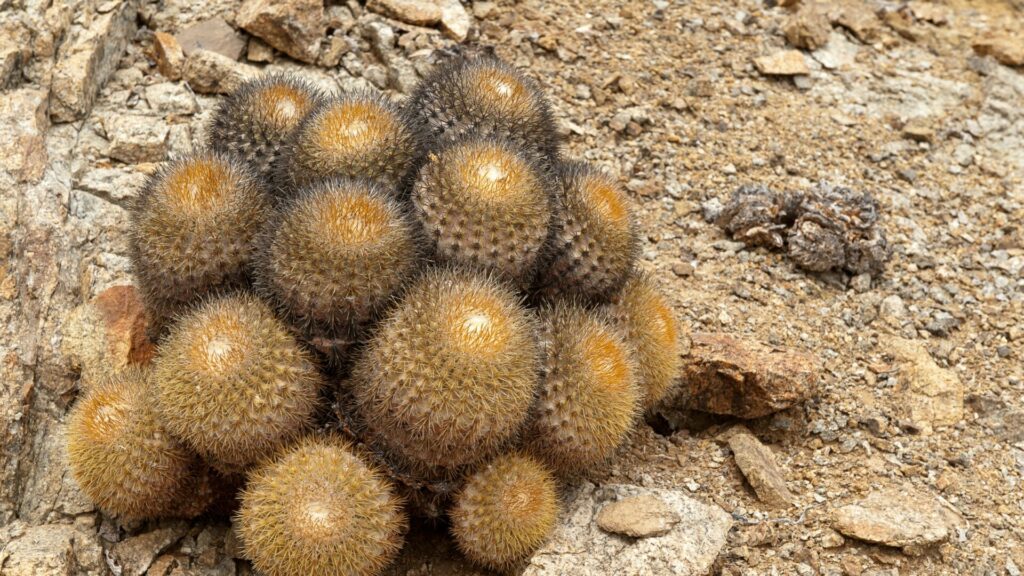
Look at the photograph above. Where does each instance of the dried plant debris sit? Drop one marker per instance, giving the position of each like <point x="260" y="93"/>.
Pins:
<point x="825" y="228"/>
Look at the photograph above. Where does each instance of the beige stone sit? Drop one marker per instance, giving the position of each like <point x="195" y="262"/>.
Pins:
<point x="418" y="12"/>
<point x="85" y="63"/>
<point x="211" y="73"/>
<point x="637" y="517"/>
<point x="758" y="465"/>
<point x="927" y="395"/>
<point x="23" y="124"/>
<point x="294" y="27"/>
<point x="170" y="58"/>
<point x="785" y="63"/>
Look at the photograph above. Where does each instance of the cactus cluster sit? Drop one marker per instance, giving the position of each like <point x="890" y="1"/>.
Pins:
<point x="463" y="298"/>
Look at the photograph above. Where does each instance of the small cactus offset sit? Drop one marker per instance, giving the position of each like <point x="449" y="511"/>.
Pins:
<point x="506" y="510"/>
<point x="320" y="510"/>
<point x="485" y="203"/>
<point x="337" y="253"/>
<point x="192" y="232"/>
<point x="483" y="96"/>
<point x="256" y="123"/>
<point x="431" y="281"/>
<point x="360" y="135"/>
<point x="233" y="383"/>
<point x="120" y="454"/>
<point x="594" y="242"/>
<point x="651" y="327"/>
<point x="589" y="395"/>
<point x="449" y="376"/>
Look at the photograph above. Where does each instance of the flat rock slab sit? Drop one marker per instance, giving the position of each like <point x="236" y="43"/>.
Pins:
<point x="637" y="517"/>
<point x="929" y="395"/>
<point x="294" y="27"/>
<point x="902" y="518"/>
<point x="580" y="547"/>
<point x="214" y="35"/>
<point x="785" y="63"/>
<point x="723" y="374"/>
<point x="758" y="465"/>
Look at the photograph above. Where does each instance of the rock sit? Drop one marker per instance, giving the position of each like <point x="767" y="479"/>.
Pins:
<point x="857" y="17"/>
<point x="785" y="63"/>
<point x="135" y="138"/>
<point x="23" y="124"/>
<point x="86" y="61"/>
<point x="402" y="76"/>
<point x="117" y="184"/>
<point x="893" y="310"/>
<point x="758" y="465"/>
<point x="382" y="40"/>
<point x="212" y="73"/>
<point x="107" y="334"/>
<point x="417" y="12"/>
<point x="689" y="548"/>
<point x="942" y="324"/>
<point x="294" y="27"/>
<point x="53" y="550"/>
<point x="902" y="23"/>
<point x="637" y="517"/>
<point x="484" y="9"/>
<point x="839" y="52"/>
<point x="929" y="12"/>
<point x="928" y="395"/>
<point x="902" y="518"/>
<point x="807" y="28"/>
<point x="214" y="35"/>
<point x="171" y="98"/>
<point x="136" y="554"/>
<point x="722" y="374"/>
<point x="919" y="130"/>
<point x="15" y="51"/>
<point x="455" y="21"/>
<point x="1006" y="49"/>
<point x="170" y="58"/>
<point x="259" y="51"/>
<point x="1007" y="422"/>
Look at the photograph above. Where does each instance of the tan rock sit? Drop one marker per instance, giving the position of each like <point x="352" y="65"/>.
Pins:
<point x="23" y="124"/>
<point x="418" y="12"/>
<point x="919" y="130"/>
<point x="455" y="21"/>
<point x="637" y="517"/>
<point x="785" y="63"/>
<point x="211" y="73"/>
<point x="927" y="394"/>
<point x="580" y="547"/>
<point x="722" y="374"/>
<point x="136" y="138"/>
<point x="857" y="17"/>
<point x="1006" y="49"/>
<point x="170" y="58"/>
<point x="85" y="63"/>
<point x="902" y="518"/>
<point x="259" y="51"/>
<point x="214" y="35"/>
<point x="758" y="465"/>
<point x="15" y="50"/>
<point x="106" y="334"/>
<point x="136" y="554"/>
<point x="294" y="27"/>
<point x="807" y="28"/>
<point x="52" y="550"/>
<point x="929" y="12"/>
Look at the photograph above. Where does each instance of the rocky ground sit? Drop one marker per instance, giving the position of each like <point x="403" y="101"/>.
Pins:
<point x="826" y="423"/>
